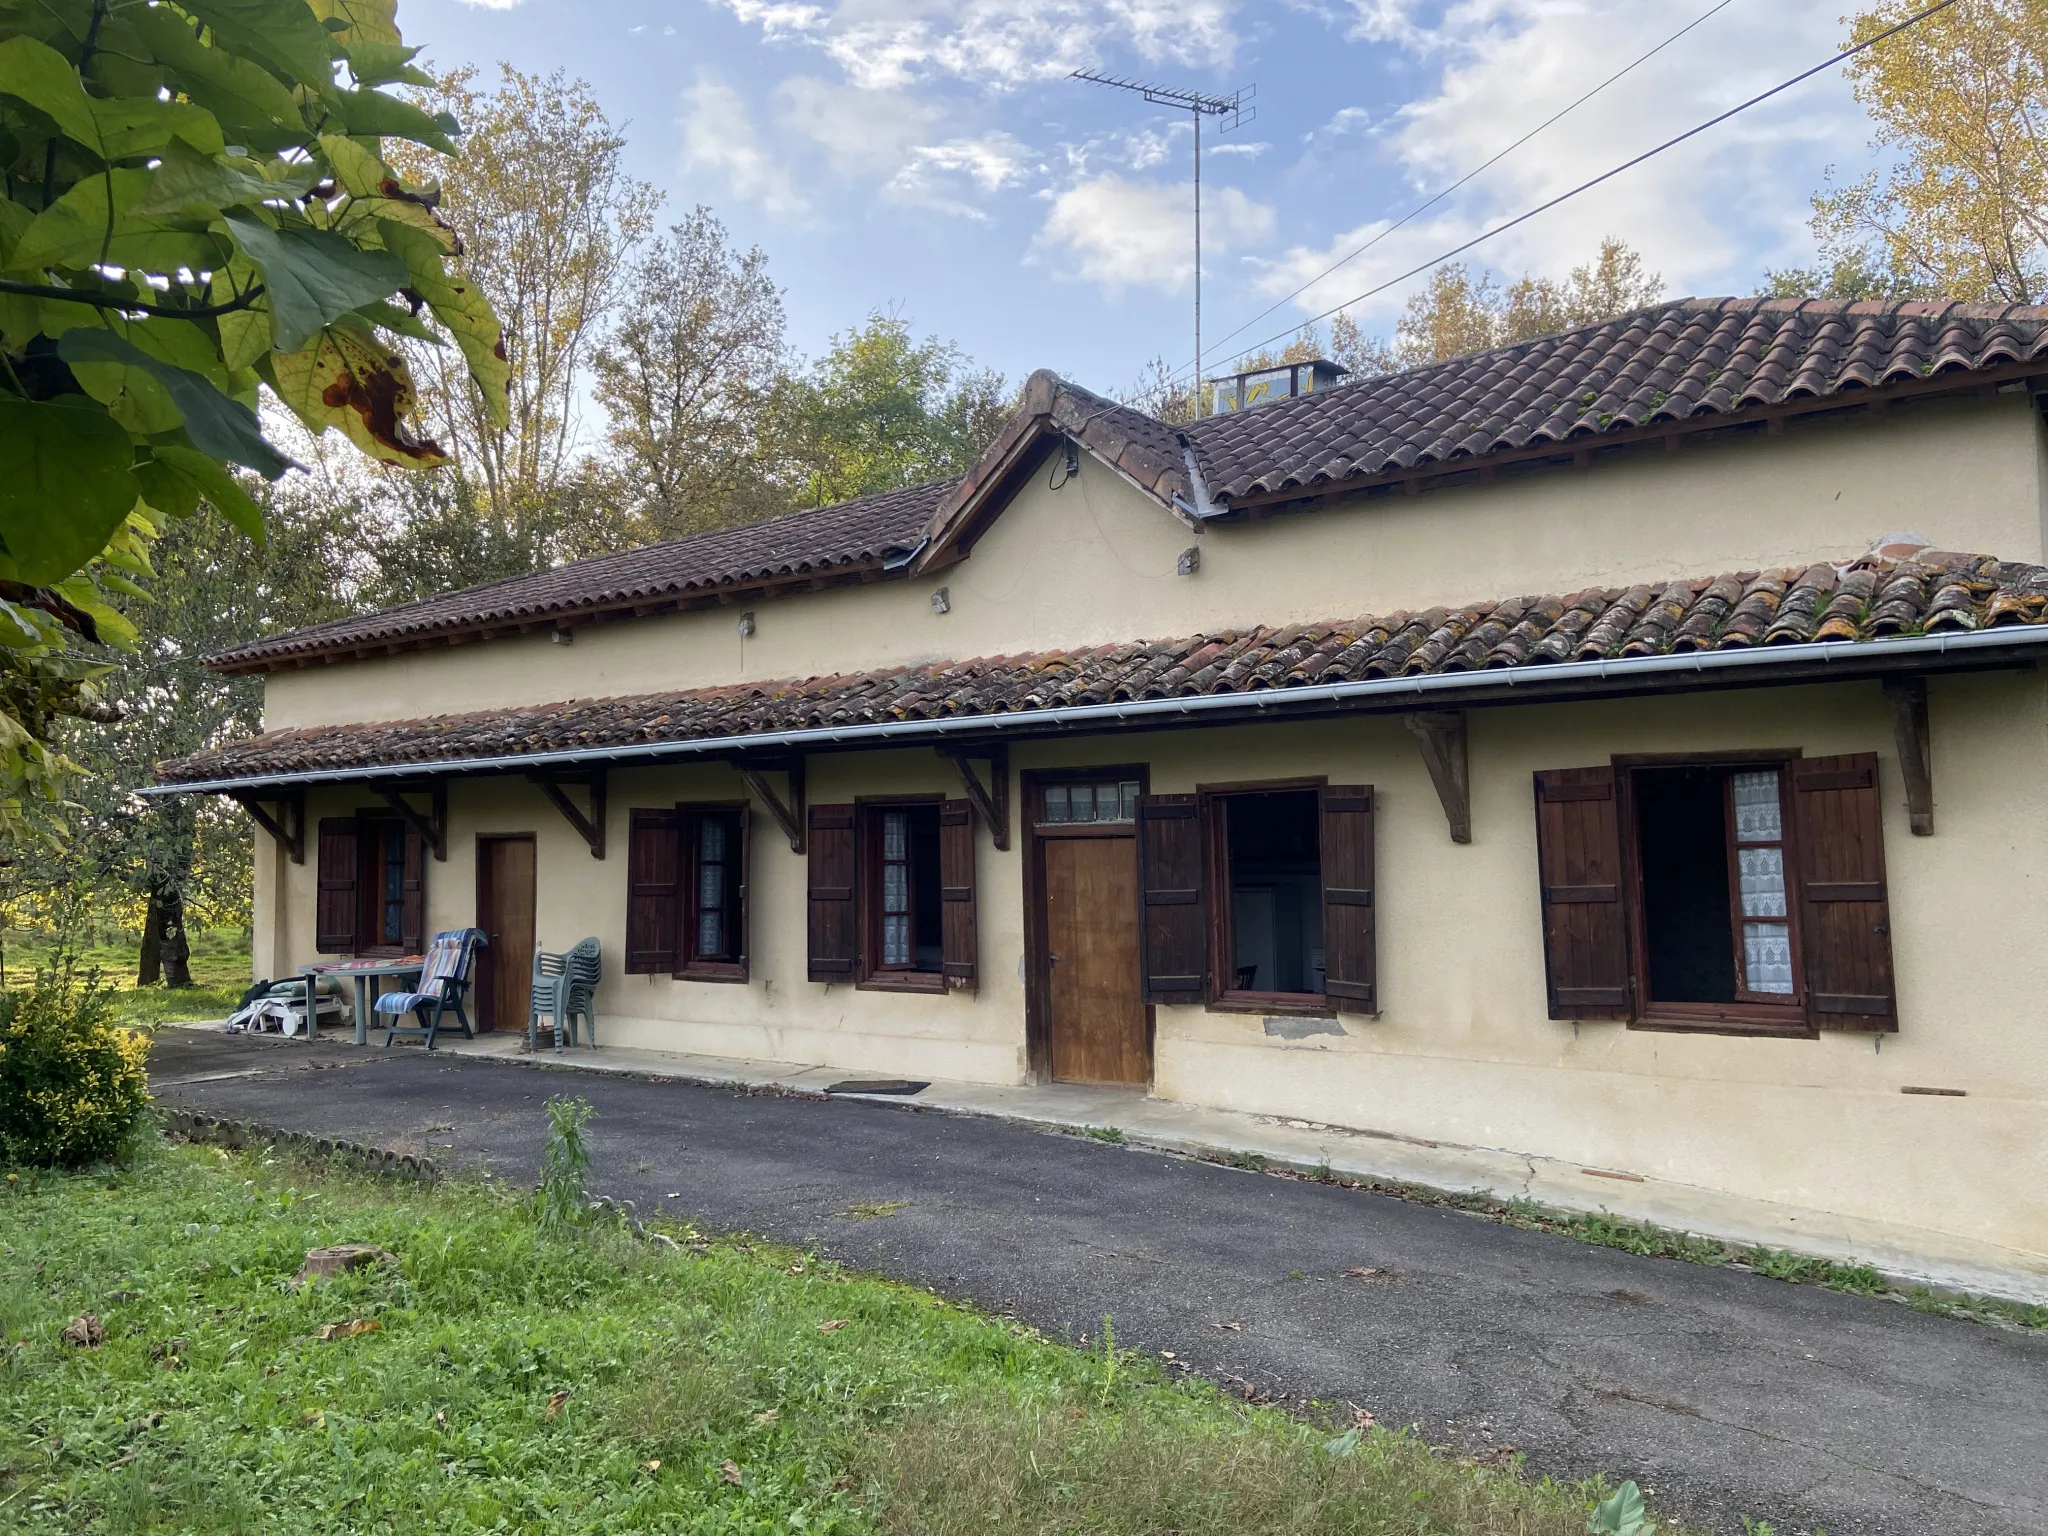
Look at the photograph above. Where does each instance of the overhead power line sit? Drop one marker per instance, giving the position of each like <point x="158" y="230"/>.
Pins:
<point x="1586" y="186"/>
<point x="1421" y="208"/>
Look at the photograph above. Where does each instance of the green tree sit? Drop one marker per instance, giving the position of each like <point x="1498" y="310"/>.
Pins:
<point x="687" y="376"/>
<point x="1461" y="311"/>
<point x="1960" y="107"/>
<point x="196" y="204"/>
<point x="882" y="410"/>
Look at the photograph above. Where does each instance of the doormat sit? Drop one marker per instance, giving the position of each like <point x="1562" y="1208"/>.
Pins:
<point x="894" y="1085"/>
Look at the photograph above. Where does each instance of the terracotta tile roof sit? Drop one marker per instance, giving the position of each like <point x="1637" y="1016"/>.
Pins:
<point x="1903" y="591"/>
<point x="1690" y="361"/>
<point x="841" y="538"/>
<point x="1676" y="362"/>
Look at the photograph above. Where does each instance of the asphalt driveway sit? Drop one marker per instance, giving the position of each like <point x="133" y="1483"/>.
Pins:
<point x="1727" y="1394"/>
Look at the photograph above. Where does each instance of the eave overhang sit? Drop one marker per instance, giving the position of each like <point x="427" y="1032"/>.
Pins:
<point x="1760" y="666"/>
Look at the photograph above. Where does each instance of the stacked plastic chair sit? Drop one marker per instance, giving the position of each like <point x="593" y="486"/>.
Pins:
<point x="565" y="990"/>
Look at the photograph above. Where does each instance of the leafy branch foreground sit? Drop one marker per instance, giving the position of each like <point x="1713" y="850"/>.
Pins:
<point x="500" y="1376"/>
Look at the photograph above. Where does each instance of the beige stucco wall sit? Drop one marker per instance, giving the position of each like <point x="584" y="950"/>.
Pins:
<point x="1094" y="561"/>
<point x="1463" y="1052"/>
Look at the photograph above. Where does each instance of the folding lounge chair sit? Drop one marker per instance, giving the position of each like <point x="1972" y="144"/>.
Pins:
<point x="443" y="981"/>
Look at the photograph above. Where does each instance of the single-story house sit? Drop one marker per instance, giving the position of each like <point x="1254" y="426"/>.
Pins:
<point x="1626" y="748"/>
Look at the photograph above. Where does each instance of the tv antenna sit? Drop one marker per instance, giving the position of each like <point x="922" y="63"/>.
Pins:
<point x="1199" y="106"/>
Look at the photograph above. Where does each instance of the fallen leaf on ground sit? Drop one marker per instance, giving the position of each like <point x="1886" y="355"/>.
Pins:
<point x="557" y="1401"/>
<point x="768" y="1416"/>
<point x="731" y="1473"/>
<point x="1369" y="1272"/>
<point x="651" y="1466"/>
<point x="84" y="1331"/>
<point x="1233" y="1327"/>
<point x="1361" y="1418"/>
<point x="840" y="1485"/>
<point x="441" y="1417"/>
<point x="1077" y="1413"/>
<point x="349" y="1329"/>
<point x="835" y="1325"/>
<point x="313" y="1420"/>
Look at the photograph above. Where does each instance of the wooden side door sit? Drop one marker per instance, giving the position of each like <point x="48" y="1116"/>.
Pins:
<point x="502" y="990"/>
<point x="1095" y="997"/>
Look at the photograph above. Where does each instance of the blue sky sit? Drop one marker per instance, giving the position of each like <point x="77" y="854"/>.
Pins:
<point x="930" y="157"/>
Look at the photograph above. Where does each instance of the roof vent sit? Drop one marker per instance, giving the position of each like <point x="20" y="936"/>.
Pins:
<point x="1262" y="386"/>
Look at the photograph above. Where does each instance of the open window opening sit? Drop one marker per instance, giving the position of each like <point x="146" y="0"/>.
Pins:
<point x="909" y="931"/>
<point x="1273" y="872"/>
<point x="714" y="931"/>
<point x="1716" y="912"/>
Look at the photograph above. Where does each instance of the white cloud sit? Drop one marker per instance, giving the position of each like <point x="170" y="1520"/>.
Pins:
<point x="719" y="138"/>
<point x="989" y="163"/>
<point x="1250" y="151"/>
<point x="863" y="133"/>
<point x="883" y="44"/>
<point x="492" y="5"/>
<point x="1699" y="213"/>
<point x="1139" y="233"/>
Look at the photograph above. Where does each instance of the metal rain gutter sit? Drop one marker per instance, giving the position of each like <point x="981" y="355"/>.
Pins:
<point x="1265" y="702"/>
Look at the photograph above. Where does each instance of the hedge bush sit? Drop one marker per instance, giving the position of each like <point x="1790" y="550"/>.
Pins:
<point x="72" y="1082"/>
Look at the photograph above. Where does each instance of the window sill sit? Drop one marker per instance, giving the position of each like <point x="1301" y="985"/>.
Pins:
<point x="1293" y="1004"/>
<point x="902" y="981"/>
<point x="1726" y="1019"/>
<point x="713" y="971"/>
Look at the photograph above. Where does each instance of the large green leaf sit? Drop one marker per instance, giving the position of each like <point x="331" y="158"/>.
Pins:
<point x="79" y="227"/>
<point x="126" y="129"/>
<point x="217" y="486"/>
<point x="224" y="428"/>
<point x="241" y="93"/>
<point x="357" y="165"/>
<point x="187" y="179"/>
<point x="386" y="64"/>
<point x="373" y="114"/>
<point x="313" y="276"/>
<point x="289" y="37"/>
<point x="65" y="486"/>
<point x="356" y="23"/>
<point x="41" y="76"/>
<point x="463" y="312"/>
<point x="244" y="333"/>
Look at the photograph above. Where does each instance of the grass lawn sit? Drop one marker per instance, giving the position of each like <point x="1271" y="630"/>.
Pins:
<point x="498" y="1377"/>
<point x="220" y="966"/>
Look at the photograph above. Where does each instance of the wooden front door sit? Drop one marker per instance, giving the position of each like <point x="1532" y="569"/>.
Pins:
<point x="504" y="910"/>
<point x="1095" y="1002"/>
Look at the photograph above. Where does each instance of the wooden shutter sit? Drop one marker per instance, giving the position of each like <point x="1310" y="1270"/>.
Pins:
<point x="1350" y="959"/>
<point x="337" y="906"/>
<point x="1844" y="919"/>
<point x="1175" y="919"/>
<point x="1585" y="914"/>
<point x="412" y="923"/>
<point x="834" y="935"/>
<point x="652" y="908"/>
<point x="956" y="892"/>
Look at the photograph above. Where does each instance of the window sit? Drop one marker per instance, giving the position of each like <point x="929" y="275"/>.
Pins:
<point x="1273" y="874"/>
<point x="1744" y="894"/>
<point x="1716" y="919"/>
<point x="891" y="894"/>
<point x="371" y="887"/>
<point x="1062" y="804"/>
<point x="1259" y="898"/>
<point x="686" y="885"/>
<point x="904" y="890"/>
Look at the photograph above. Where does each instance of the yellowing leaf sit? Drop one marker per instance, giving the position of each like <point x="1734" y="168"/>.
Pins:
<point x="462" y="310"/>
<point x="357" y="166"/>
<point x="344" y="380"/>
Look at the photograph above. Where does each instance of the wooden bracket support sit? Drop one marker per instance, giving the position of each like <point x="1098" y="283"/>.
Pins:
<point x="590" y="828"/>
<point x="287" y="827"/>
<point x="788" y="815"/>
<point x="1441" y="735"/>
<point x="992" y="803"/>
<point x="434" y="825"/>
<point x="1908" y="698"/>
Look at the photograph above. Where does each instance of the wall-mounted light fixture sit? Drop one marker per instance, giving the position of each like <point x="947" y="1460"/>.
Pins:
<point x="564" y="637"/>
<point x="942" y="600"/>
<point x="746" y="625"/>
<point x="1190" y="561"/>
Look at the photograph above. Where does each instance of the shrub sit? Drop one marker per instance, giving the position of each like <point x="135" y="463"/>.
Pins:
<point x="72" y="1084"/>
